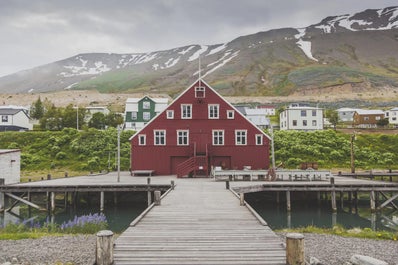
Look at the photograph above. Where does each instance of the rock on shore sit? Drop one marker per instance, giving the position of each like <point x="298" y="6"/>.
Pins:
<point x="80" y="249"/>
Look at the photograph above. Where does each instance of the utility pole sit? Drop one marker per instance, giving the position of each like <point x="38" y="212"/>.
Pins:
<point x="272" y="145"/>
<point x="118" y="153"/>
<point x="352" y="153"/>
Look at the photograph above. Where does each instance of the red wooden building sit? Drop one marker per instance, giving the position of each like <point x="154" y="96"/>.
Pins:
<point x="198" y="130"/>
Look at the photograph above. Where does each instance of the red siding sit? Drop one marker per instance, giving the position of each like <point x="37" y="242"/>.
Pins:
<point x="164" y="159"/>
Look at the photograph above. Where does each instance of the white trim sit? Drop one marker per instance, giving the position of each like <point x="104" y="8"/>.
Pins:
<point x="230" y="111"/>
<point x="141" y="136"/>
<point x="170" y="114"/>
<point x="190" y="111"/>
<point x="256" y="137"/>
<point x="223" y="137"/>
<point x="198" y="89"/>
<point x="218" y="111"/>
<point x="242" y="135"/>
<point x="178" y="137"/>
<point x="154" y="137"/>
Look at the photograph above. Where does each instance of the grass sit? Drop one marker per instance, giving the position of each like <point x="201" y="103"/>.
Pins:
<point x="340" y="231"/>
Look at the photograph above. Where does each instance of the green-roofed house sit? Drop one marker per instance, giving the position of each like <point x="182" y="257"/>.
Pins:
<point x="139" y="111"/>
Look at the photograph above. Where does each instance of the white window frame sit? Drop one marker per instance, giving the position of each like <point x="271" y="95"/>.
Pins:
<point x="170" y="114"/>
<point x="314" y="123"/>
<point x="200" y="92"/>
<point x="146" y="116"/>
<point x="305" y="123"/>
<point x="259" y="139"/>
<point x="4" y="118"/>
<point x="183" y="135"/>
<point x="146" y="104"/>
<point x="184" y="114"/>
<point x="314" y="113"/>
<point x="142" y="139"/>
<point x="158" y="135"/>
<point x="213" y="111"/>
<point x="134" y="115"/>
<point x="230" y="114"/>
<point x="294" y="123"/>
<point x="240" y="137"/>
<point x="303" y="113"/>
<point x="218" y="135"/>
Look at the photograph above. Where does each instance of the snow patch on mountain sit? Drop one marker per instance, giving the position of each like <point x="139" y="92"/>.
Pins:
<point x="186" y="50"/>
<point x="221" y="62"/>
<point x="305" y="46"/>
<point x="217" y="49"/>
<point x="99" y="67"/>
<point x="203" y="48"/>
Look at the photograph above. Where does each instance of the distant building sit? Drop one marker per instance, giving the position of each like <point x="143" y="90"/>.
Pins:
<point x="367" y="118"/>
<point x="90" y="111"/>
<point x="346" y="114"/>
<point x="256" y="116"/>
<point x="139" y="111"/>
<point x="301" y="117"/>
<point x="13" y="118"/>
<point x="10" y="165"/>
<point x="392" y="116"/>
<point x="269" y="110"/>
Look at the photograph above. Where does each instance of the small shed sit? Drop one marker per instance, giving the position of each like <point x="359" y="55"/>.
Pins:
<point x="10" y="165"/>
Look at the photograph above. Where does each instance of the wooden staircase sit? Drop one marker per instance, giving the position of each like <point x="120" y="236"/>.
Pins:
<point x="197" y="162"/>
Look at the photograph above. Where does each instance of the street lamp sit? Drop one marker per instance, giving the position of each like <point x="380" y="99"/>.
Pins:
<point x="118" y="153"/>
<point x="352" y="153"/>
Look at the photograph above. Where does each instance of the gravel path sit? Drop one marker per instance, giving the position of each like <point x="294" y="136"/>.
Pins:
<point x="80" y="249"/>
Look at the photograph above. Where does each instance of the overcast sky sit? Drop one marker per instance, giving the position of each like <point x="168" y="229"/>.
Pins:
<point x="37" y="32"/>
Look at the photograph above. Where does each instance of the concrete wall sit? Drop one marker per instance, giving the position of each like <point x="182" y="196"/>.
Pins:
<point x="10" y="165"/>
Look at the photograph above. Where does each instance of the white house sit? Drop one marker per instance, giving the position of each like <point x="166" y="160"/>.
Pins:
<point x="139" y="111"/>
<point x="346" y="114"/>
<point x="91" y="110"/>
<point x="269" y="110"/>
<point x="14" y="118"/>
<point x="392" y="116"/>
<point x="256" y="116"/>
<point x="301" y="117"/>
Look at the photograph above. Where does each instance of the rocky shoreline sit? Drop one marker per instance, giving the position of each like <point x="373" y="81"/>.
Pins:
<point x="80" y="249"/>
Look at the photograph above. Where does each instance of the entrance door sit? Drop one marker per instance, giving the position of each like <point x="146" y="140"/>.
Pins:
<point x="201" y="140"/>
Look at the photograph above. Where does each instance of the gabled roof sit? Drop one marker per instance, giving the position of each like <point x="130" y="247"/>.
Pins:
<point x="347" y="109"/>
<point x="214" y="91"/>
<point x="156" y="100"/>
<point x="9" y="111"/>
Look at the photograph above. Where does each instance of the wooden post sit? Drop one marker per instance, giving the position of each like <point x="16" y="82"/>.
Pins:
<point x="115" y="198"/>
<point x="157" y="197"/>
<point x="48" y="176"/>
<point x="289" y="220"/>
<point x="52" y="202"/>
<point x="334" y="219"/>
<point x="295" y="249"/>
<point x="333" y="198"/>
<point x="242" y="199"/>
<point x="66" y="174"/>
<point x="373" y="221"/>
<point x="2" y="181"/>
<point x="356" y="202"/>
<point x="104" y="248"/>
<point x="172" y="185"/>
<point x="278" y="199"/>
<point x="341" y="199"/>
<point x="318" y="197"/>
<point x="288" y="205"/>
<point x="149" y="195"/>
<point x="102" y="201"/>
<point x="227" y="184"/>
<point x="372" y="201"/>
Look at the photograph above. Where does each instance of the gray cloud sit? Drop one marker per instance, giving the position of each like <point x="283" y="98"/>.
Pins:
<point x="38" y="32"/>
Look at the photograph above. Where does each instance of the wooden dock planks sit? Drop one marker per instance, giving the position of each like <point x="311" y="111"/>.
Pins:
<point x="200" y="222"/>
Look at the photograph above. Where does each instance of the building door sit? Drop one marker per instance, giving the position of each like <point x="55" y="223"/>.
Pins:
<point x="200" y="140"/>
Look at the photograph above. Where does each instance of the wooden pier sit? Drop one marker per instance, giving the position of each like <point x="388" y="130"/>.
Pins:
<point x="200" y="222"/>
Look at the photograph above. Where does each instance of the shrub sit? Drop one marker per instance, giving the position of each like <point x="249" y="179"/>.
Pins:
<point x="60" y="155"/>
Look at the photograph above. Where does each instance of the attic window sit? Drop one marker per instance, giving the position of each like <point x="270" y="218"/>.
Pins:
<point x="199" y="92"/>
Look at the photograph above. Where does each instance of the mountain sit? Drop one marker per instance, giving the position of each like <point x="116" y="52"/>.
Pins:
<point x="359" y="51"/>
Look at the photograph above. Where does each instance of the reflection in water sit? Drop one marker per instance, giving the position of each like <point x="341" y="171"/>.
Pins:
<point x="313" y="212"/>
<point x="119" y="216"/>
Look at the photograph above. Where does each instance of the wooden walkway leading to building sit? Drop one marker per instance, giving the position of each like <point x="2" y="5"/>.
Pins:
<point x="200" y="222"/>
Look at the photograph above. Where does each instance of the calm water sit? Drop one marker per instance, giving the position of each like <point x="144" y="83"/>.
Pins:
<point x="309" y="212"/>
<point x="304" y="212"/>
<point x="118" y="216"/>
